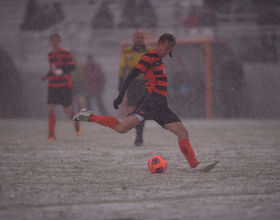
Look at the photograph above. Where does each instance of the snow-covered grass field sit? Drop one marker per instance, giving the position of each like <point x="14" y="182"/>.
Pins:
<point x="102" y="175"/>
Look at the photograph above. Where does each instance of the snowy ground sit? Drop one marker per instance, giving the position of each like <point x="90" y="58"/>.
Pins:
<point x="101" y="175"/>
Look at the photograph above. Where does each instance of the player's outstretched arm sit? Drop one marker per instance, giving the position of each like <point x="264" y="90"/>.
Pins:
<point x="134" y="73"/>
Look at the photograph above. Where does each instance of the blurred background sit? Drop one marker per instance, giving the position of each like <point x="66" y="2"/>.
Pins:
<point x="226" y="63"/>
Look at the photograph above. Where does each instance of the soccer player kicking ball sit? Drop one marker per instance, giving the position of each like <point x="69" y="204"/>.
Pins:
<point x="153" y="105"/>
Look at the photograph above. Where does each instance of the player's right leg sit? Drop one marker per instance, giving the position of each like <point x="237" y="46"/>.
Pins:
<point x="130" y="122"/>
<point x="108" y="121"/>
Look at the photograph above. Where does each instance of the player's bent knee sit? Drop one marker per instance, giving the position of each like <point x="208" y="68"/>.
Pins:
<point x="121" y="129"/>
<point x="183" y="134"/>
<point x="178" y="129"/>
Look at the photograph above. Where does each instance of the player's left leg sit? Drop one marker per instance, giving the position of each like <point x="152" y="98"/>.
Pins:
<point x="181" y="132"/>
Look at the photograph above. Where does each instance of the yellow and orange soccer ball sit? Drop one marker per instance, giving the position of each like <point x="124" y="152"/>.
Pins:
<point x="157" y="164"/>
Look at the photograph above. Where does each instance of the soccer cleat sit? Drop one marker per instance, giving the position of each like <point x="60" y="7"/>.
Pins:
<point x="78" y="130"/>
<point x="83" y="115"/>
<point x="50" y="137"/>
<point x="204" y="167"/>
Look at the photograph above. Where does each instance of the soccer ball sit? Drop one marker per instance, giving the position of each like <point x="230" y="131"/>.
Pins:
<point x="157" y="164"/>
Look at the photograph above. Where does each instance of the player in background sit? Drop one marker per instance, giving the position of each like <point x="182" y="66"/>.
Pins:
<point x="137" y="88"/>
<point x="153" y="105"/>
<point x="60" y="85"/>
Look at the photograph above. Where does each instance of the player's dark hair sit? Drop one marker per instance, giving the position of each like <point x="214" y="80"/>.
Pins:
<point x="167" y="37"/>
<point x="55" y="35"/>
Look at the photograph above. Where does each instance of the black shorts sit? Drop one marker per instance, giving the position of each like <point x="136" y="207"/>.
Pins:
<point x="153" y="106"/>
<point x="135" y="91"/>
<point x="60" y="96"/>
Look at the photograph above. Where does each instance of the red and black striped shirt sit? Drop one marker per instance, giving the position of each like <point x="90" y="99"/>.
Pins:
<point x="155" y="72"/>
<point x="62" y="59"/>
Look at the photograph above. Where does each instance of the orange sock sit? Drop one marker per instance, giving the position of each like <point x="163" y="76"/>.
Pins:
<point x="52" y="120"/>
<point x="188" y="152"/>
<point x="107" y="121"/>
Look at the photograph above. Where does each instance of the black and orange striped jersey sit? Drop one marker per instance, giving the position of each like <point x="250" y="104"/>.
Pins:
<point x="155" y="72"/>
<point x="62" y="59"/>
